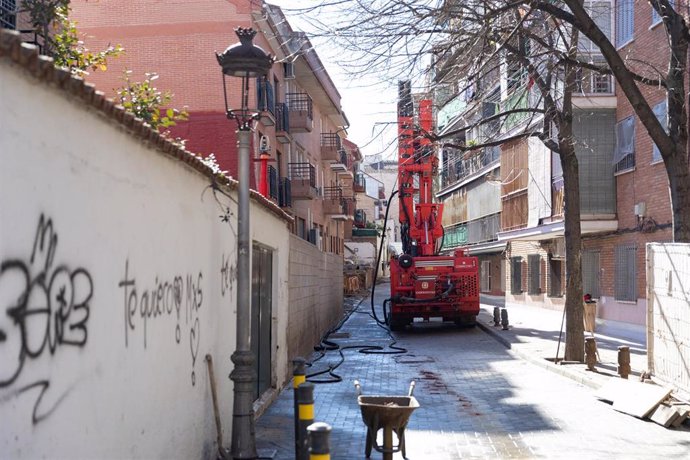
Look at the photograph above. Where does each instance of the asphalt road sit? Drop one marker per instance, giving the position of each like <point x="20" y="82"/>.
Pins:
<point x="476" y="400"/>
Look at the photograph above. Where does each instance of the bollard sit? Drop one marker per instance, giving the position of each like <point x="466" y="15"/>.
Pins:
<point x="497" y="316"/>
<point x="623" y="361"/>
<point x="590" y="352"/>
<point x="319" y="441"/>
<point x="305" y="412"/>
<point x="504" y="319"/>
<point x="298" y="378"/>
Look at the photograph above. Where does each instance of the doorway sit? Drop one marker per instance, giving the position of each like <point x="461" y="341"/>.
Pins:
<point x="262" y="299"/>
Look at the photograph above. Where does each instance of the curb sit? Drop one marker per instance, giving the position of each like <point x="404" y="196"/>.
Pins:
<point x="538" y="361"/>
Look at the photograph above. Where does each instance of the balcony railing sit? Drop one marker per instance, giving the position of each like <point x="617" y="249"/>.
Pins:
<point x="302" y="181"/>
<point x="594" y="83"/>
<point x="301" y="112"/>
<point x="360" y="183"/>
<point x="333" y="200"/>
<point x="459" y="168"/>
<point x="330" y="146"/>
<point x="273" y="183"/>
<point x="282" y="123"/>
<point x="284" y="193"/>
<point x="265" y="95"/>
<point x="8" y="14"/>
<point x="476" y="231"/>
<point x="12" y="18"/>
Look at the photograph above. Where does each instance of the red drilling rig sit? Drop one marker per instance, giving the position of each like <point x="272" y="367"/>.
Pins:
<point x="425" y="284"/>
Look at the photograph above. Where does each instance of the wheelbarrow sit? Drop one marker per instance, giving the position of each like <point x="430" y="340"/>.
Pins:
<point x="389" y="413"/>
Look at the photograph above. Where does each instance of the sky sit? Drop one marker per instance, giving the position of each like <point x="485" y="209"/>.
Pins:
<point x="369" y="103"/>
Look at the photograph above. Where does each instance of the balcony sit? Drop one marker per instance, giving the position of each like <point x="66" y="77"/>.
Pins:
<point x="343" y="163"/>
<point x="459" y="167"/>
<point x="266" y="101"/>
<point x="283" y="123"/>
<point x="330" y="146"/>
<point x="302" y="181"/>
<point x="349" y="206"/>
<point x="360" y="183"/>
<point x="279" y="188"/>
<point x="333" y="201"/>
<point x="300" y="111"/>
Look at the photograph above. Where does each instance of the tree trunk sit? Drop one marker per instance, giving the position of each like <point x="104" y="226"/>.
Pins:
<point x="574" y="330"/>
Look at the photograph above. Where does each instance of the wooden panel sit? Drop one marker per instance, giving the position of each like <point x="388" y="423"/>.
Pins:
<point x="455" y="208"/>
<point x="514" y="172"/>
<point x="515" y="211"/>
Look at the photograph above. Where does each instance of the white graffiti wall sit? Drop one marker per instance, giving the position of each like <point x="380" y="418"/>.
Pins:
<point x="117" y="278"/>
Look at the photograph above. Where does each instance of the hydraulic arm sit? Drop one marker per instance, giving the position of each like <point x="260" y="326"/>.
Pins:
<point x="424" y="283"/>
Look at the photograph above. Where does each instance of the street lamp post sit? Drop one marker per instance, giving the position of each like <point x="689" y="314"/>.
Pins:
<point x="245" y="61"/>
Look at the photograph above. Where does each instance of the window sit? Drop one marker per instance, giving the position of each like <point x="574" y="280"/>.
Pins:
<point x="555" y="277"/>
<point x="591" y="273"/>
<point x="600" y="12"/>
<point x="661" y="115"/>
<point x="626" y="273"/>
<point x="516" y="275"/>
<point x="656" y="18"/>
<point x="625" y="21"/>
<point x="624" y="153"/>
<point x="533" y="262"/>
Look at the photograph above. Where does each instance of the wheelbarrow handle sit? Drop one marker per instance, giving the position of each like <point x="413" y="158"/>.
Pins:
<point x="358" y="388"/>
<point x="412" y="384"/>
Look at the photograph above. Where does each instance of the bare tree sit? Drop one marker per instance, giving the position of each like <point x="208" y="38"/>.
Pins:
<point x="481" y="39"/>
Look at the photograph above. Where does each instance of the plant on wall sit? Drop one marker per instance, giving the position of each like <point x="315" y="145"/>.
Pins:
<point x="69" y="51"/>
<point x="145" y="101"/>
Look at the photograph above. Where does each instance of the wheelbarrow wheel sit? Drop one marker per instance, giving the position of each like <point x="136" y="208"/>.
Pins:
<point x="367" y="448"/>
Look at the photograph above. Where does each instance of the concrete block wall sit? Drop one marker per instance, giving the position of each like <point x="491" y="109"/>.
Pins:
<point x="315" y="295"/>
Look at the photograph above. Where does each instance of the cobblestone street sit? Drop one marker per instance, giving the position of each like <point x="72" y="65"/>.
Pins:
<point x="476" y="400"/>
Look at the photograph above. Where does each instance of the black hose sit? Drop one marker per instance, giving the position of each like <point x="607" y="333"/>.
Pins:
<point x="378" y="261"/>
<point x="328" y="345"/>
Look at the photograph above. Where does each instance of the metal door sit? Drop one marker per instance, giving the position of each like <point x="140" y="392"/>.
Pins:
<point x="262" y="297"/>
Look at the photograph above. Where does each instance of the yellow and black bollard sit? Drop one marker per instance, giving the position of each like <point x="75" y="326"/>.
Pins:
<point x="305" y="414"/>
<point x="319" y="441"/>
<point x="299" y="376"/>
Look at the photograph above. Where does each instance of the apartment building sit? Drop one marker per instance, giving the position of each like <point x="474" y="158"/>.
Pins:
<point x="614" y="263"/>
<point x="513" y="194"/>
<point x="302" y="123"/>
<point x="468" y="183"/>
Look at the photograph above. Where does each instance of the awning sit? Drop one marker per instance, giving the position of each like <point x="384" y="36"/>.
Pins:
<point x="556" y="229"/>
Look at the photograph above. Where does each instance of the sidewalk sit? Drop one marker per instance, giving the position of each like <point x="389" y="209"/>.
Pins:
<point x="533" y="335"/>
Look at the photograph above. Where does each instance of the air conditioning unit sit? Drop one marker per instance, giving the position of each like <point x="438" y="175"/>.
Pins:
<point x="558" y="248"/>
<point x="288" y="70"/>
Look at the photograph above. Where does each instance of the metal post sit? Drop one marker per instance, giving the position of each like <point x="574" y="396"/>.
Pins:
<point x="319" y="441"/>
<point x="504" y="319"/>
<point x="305" y="400"/>
<point x="497" y="316"/>
<point x="624" y="361"/>
<point x="590" y="352"/>
<point x="243" y="442"/>
<point x="298" y="378"/>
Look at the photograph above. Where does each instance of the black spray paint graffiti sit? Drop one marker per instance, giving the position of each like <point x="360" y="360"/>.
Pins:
<point x="47" y="309"/>
<point x="173" y="297"/>
<point x="228" y="275"/>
